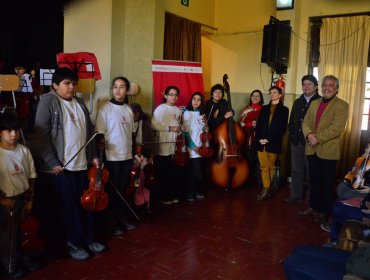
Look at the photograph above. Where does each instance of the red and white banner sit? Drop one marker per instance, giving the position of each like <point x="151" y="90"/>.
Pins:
<point x="187" y="76"/>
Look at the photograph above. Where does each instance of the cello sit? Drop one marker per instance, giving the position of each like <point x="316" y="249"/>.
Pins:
<point x="95" y="198"/>
<point x="229" y="169"/>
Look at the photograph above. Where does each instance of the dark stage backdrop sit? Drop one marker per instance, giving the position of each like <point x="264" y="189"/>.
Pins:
<point x="30" y="32"/>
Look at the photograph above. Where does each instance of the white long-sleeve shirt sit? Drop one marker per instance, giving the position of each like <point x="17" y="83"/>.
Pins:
<point x="165" y="116"/>
<point x="117" y="124"/>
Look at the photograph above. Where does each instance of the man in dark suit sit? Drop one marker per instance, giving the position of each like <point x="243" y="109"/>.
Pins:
<point x="297" y="141"/>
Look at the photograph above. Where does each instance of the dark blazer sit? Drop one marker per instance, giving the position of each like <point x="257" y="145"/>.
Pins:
<point x="273" y="132"/>
<point x="297" y="115"/>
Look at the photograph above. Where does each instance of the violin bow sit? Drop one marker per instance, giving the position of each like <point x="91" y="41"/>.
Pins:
<point x="87" y="143"/>
<point x="124" y="200"/>
<point x="11" y="245"/>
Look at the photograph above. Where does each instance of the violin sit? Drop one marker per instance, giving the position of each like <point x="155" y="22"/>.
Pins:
<point x="356" y="176"/>
<point x="95" y="198"/>
<point x="205" y="150"/>
<point x="181" y="154"/>
<point x="229" y="169"/>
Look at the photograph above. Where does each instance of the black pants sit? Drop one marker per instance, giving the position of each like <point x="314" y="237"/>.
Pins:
<point x="119" y="175"/>
<point x="322" y="180"/>
<point x="169" y="178"/>
<point x="195" y="175"/>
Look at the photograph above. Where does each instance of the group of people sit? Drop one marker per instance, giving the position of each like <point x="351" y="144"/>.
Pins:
<point x="65" y="148"/>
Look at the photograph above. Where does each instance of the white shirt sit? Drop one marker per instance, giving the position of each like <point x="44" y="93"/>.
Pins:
<point x="74" y="135"/>
<point x="116" y="122"/>
<point x="16" y="167"/>
<point x="165" y="116"/>
<point x="194" y="124"/>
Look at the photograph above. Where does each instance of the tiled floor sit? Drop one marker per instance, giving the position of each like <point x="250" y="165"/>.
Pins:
<point x="228" y="235"/>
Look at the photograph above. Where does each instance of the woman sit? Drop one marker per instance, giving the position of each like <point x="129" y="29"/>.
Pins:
<point x="271" y="126"/>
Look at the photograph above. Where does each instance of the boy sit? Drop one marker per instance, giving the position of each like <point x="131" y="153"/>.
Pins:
<point x="17" y="173"/>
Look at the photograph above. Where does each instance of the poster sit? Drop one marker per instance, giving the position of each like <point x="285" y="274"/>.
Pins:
<point x="187" y="76"/>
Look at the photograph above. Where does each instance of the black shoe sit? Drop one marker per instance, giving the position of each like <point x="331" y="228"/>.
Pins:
<point x="129" y="226"/>
<point x="264" y="195"/>
<point x="326" y="227"/>
<point x="322" y="218"/>
<point x="308" y="212"/>
<point x="292" y="200"/>
<point x="17" y="272"/>
<point x="31" y="264"/>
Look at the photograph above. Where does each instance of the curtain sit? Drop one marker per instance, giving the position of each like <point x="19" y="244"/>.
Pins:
<point x="344" y="45"/>
<point x="182" y="39"/>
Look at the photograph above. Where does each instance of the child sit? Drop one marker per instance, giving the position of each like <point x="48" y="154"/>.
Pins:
<point x="17" y="173"/>
<point x="166" y="122"/>
<point x="116" y="120"/>
<point x="194" y="122"/>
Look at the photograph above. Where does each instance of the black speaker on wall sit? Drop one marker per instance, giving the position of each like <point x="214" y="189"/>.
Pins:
<point x="276" y="45"/>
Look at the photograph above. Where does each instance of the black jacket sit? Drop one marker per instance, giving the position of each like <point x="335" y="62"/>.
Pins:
<point x="273" y="132"/>
<point x="299" y="110"/>
<point x="223" y="108"/>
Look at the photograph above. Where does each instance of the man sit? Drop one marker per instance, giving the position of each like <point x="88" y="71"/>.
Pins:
<point x="63" y="126"/>
<point x="322" y="126"/>
<point x="296" y="138"/>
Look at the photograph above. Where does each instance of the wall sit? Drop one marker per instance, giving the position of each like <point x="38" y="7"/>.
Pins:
<point x="87" y="27"/>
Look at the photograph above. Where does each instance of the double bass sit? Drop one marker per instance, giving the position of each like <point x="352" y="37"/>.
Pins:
<point x="229" y="169"/>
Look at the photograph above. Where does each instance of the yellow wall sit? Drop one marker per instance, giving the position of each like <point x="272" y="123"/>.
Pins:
<point x="87" y="27"/>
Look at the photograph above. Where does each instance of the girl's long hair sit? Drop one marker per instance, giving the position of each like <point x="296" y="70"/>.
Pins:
<point x="190" y="107"/>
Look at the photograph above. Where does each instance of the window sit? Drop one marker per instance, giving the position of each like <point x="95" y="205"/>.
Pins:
<point x="365" y="114"/>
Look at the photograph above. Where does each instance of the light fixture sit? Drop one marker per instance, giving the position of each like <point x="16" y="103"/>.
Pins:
<point x="284" y="4"/>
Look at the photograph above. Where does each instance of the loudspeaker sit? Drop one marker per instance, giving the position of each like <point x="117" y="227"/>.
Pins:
<point x="276" y="45"/>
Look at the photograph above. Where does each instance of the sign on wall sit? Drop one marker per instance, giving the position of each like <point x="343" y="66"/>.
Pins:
<point x="187" y="76"/>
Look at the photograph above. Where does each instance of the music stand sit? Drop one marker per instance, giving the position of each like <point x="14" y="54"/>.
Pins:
<point x="10" y="83"/>
<point x="46" y="76"/>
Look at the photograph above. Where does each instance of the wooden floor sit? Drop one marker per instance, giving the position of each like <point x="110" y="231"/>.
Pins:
<point x="228" y="235"/>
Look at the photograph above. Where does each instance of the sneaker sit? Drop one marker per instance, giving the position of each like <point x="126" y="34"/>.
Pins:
<point x="326" y="227"/>
<point x="190" y="198"/>
<point x="129" y="226"/>
<point x="167" y="202"/>
<point x="96" y="247"/>
<point x="117" y="230"/>
<point x="77" y="253"/>
<point x="175" y="200"/>
<point x="331" y="244"/>
<point x="199" y="195"/>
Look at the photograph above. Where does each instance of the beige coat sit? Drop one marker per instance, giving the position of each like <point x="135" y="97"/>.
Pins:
<point x="330" y="127"/>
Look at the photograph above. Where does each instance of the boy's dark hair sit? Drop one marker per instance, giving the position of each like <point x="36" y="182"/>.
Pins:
<point x="9" y="121"/>
<point x="277" y="88"/>
<point x="61" y="74"/>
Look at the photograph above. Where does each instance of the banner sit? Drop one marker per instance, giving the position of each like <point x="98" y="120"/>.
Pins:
<point x="187" y="76"/>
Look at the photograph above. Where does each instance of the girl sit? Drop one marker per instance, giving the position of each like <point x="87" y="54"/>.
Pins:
<point x="271" y="126"/>
<point x="115" y="120"/>
<point x="166" y="122"/>
<point x="194" y="122"/>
